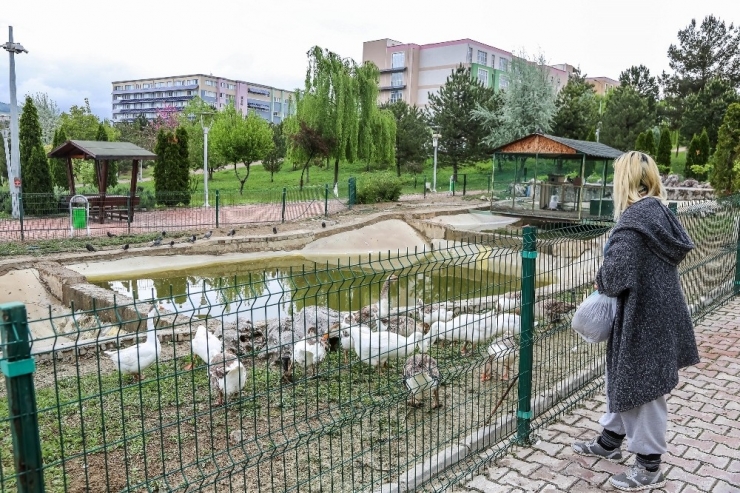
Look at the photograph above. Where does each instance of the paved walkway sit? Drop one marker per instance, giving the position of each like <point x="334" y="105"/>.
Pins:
<point x="703" y="430"/>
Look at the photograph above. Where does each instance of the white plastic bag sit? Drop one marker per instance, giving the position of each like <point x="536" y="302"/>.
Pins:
<point x="594" y="318"/>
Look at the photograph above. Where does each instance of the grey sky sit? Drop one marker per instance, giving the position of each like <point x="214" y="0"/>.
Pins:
<point x="78" y="47"/>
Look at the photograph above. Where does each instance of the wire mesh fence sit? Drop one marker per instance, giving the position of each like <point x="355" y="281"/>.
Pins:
<point x="49" y="216"/>
<point x="414" y="368"/>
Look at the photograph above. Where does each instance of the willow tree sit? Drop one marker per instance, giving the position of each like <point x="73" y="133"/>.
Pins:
<point x="339" y="104"/>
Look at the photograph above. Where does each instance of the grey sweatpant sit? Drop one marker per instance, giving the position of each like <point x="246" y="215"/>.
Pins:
<point x="645" y="426"/>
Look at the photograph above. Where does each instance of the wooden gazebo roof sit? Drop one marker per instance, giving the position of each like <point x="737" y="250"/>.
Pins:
<point x="102" y="153"/>
<point x="550" y="145"/>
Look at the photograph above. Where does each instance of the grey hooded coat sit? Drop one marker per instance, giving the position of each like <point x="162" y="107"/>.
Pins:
<point x="653" y="335"/>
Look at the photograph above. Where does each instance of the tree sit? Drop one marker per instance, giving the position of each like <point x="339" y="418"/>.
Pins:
<point x="649" y="146"/>
<point x="58" y="166"/>
<point x="309" y="143"/>
<point x="49" y="114"/>
<point x="706" y="108"/>
<point x="703" y="53"/>
<point x="34" y="165"/>
<point x="639" y="78"/>
<point x="191" y="118"/>
<point x="453" y="116"/>
<point x="412" y="134"/>
<point x="576" y="110"/>
<point x="239" y="139"/>
<point x="80" y="123"/>
<point x="691" y="154"/>
<point x="626" y="115"/>
<point x="663" y="153"/>
<point x="725" y="162"/>
<point x="274" y="159"/>
<point x="102" y="136"/>
<point x="3" y="161"/>
<point x="591" y="135"/>
<point x="640" y="143"/>
<point x="171" y="168"/>
<point x="704" y="149"/>
<point x="528" y="102"/>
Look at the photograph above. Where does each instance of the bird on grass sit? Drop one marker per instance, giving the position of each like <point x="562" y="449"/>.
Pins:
<point x="323" y="224"/>
<point x="207" y="235"/>
<point x="191" y="239"/>
<point x="421" y="373"/>
<point x="111" y="235"/>
<point x="172" y="243"/>
<point x="274" y="230"/>
<point x="164" y="233"/>
<point x="157" y="242"/>
<point x="231" y="233"/>
<point x="125" y="247"/>
<point x="90" y="248"/>
<point x="135" y="359"/>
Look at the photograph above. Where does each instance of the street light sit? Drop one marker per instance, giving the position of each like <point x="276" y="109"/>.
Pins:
<point x="15" y="155"/>
<point x="206" y="127"/>
<point x="6" y="144"/>
<point x="435" y="143"/>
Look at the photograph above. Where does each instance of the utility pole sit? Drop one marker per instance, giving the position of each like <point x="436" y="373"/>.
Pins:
<point x="14" y="180"/>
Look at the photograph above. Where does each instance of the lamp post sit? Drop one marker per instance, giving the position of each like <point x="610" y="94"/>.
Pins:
<point x="598" y="131"/>
<point x="6" y="145"/>
<point x="206" y="127"/>
<point x="14" y="177"/>
<point x="435" y="143"/>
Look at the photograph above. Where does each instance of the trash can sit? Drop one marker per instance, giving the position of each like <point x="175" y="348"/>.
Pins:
<point x="79" y="218"/>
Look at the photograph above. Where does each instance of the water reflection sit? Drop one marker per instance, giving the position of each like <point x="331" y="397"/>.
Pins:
<point x="258" y="292"/>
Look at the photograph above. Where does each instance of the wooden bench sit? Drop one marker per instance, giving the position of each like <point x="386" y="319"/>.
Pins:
<point x="116" y="206"/>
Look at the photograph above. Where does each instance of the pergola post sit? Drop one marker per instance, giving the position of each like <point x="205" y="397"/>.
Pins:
<point x="70" y="177"/>
<point x="132" y="190"/>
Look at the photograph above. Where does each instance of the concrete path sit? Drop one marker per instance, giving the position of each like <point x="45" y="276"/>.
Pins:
<point x="703" y="430"/>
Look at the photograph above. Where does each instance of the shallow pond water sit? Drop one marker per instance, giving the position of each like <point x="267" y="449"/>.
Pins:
<point x="285" y="287"/>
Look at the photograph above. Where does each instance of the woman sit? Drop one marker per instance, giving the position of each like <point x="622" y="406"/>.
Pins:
<point x="652" y="336"/>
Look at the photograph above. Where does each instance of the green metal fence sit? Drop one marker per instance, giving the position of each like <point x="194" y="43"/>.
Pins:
<point x="348" y="424"/>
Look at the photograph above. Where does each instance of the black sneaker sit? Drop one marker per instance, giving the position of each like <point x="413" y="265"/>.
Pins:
<point x="593" y="449"/>
<point x="638" y="478"/>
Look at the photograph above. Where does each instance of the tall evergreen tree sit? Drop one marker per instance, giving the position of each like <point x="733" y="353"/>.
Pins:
<point x="706" y="109"/>
<point x="691" y="154"/>
<point x="663" y="153"/>
<point x="649" y="143"/>
<point x="591" y="135"/>
<point x="576" y="110"/>
<point x="166" y="151"/>
<point x="725" y="162"/>
<point x="640" y="143"/>
<point x="412" y="134"/>
<point x="626" y="115"/>
<point x="639" y="78"/>
<point x="180" y="179"/>
<point x="36" y="178"/>
<point x="704" y="148"/>
<point x="58" y="166"/>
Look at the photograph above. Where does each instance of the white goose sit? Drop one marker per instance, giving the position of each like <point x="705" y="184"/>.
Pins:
<point x="433" y="312"/>
<point x="309" y="352"/>
<point x="376" y="348"/>
<point x="372" y="313"/>
<point x="205" y="346"/>
<point x="135" y="359"/>
<point x="505" y="347"/>
<point x="227" y="375"/>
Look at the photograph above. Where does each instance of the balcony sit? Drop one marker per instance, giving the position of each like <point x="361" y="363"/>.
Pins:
<point x="155" y="89"/>
<point x="391" y="70"/>
<point x="393" y="88"/>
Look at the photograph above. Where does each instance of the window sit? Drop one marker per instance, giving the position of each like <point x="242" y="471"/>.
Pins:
<point x="398" y="60"/>
<point x="159" y="84"/>
<point x="482" y="58"/>
<point x="191" y="82"/>
<point x="503" y="64"/>
<point x="138" y="86"/>
<point x="470" y="54"/>
<point x="220" y="95"/>
<point x="396" y="96"/>
<point x="169" y="94"/>
<point x="396" y="79"/>
<point x="493" y="60"/>
<point x="503" y="82"/>
<point x="117" y="88"/>
<point x="276" y="99"/>
<point x="129" y="87"/>
<point x="232" y="86"/>
<point x="211" y="83"/>
<point x="178" y="82"/>
<point x="483" y="76"/>
<point x="241" y="102"/>
<point x="146" y="86"/>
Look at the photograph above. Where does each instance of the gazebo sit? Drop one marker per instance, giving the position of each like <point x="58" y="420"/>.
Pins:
<point x="549" y="147"/>
<point x="102" y="153"/>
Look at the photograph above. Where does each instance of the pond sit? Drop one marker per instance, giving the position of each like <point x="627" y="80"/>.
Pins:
<point x="285" y="287"/>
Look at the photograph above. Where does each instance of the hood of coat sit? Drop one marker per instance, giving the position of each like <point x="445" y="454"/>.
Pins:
<point x="660" y="229"/>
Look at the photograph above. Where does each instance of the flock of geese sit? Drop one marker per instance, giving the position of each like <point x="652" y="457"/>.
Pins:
<point x="374" y="334"/>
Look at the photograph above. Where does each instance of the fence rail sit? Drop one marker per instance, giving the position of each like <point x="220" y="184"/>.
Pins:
<point x="347" y="424"/>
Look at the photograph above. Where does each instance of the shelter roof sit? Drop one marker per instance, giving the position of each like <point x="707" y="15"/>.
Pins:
<point x="91" y="149"/>
<point x="544" y="144"/>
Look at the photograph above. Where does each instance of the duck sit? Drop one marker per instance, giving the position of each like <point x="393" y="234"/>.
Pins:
<point x="433" y="312"/>
<point x="339" y="332"/>
<point x="227" y="375"/>
<point x="135" y="359"/>
<point x="402" y="325"/>
<point x="311" y="351"/>
<point x="552" y="310"/>
<point x="205" y="346"/>
<point x="421" y="373"/>
<point x="509" y="302"/>
<point x="463" y="328"/>
<point x="505" y="347"/>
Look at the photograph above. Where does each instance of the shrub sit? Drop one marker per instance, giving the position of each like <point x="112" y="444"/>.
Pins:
<point x="378" y="187"/>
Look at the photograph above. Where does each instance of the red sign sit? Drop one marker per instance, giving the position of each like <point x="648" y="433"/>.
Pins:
<point x="17" y="182"/>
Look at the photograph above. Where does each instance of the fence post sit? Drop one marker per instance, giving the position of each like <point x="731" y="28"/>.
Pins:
<point x="20" y="212"/>
<point x="326" y="200"/>
<point x="425" y="186"/>
<point x="18" y="366"/>
<point x="352" y="192"/>
<point x="218" y="202"/>
<point x="285" y="194"/>
<point x="465" y="183"/>
<point x="129" y="213"/>
<point x="524" y="412"/>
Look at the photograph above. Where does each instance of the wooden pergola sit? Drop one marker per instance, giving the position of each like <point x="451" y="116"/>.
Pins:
<point x="539" y="145"/>
<point x="102" y="153"/>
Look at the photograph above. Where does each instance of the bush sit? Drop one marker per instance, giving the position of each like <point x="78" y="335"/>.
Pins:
<point x="146" y="200"/>
<point x="378" y="187"/>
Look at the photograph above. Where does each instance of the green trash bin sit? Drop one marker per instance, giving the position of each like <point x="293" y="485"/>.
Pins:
<point x="79" y="218"/>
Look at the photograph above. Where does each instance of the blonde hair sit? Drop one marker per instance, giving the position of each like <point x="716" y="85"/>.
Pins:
<point x="636" y="176"/>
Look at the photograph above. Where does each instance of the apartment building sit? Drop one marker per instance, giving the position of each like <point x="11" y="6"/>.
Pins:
<point x="602" y="85"/>
<point x="412" y="72"/>
<point x="131" y="98"/>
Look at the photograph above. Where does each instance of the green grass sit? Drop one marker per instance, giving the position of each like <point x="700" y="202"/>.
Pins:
<point x="678" y="163"/>
<point x="43" y="247"/>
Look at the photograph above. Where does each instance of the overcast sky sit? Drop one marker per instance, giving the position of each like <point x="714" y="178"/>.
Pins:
<point x="78" y="47"/>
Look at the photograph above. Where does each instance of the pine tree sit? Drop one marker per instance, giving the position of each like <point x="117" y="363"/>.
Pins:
<point x="34" y="165"/>
<point x="58" y="166"/>
<point x="649" y="143"/>
<point x="180" y="179"/>
<point x="640" y="143"/>
<point x="691" y="157"/>
<point x="626" y="115"/>
<point x="162" y="166"/>
<point x="591" y="136"/>
<point x="704" y="148"/>
<point x="663" y="154"/>
<point x="726" y="159"/>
